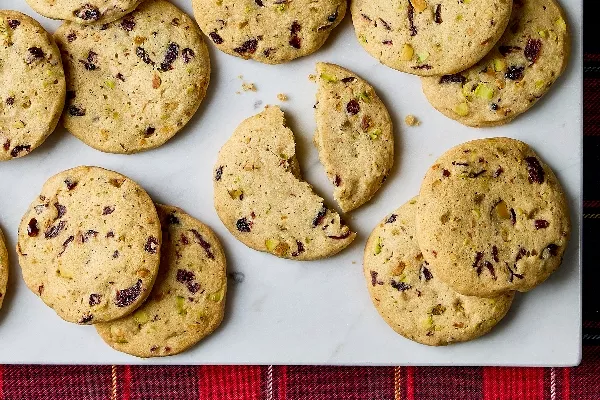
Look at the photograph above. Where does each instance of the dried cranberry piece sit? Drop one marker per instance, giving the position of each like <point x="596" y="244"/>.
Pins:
<point x="400" y="286"/>
<point x="494" y="107"/>
<point x="88" y="234"/>
<point x="88" y="13"/>
<point x="205" y="245"/>
<point x="75" y="111"/>
<point x="35" y="53"/>
<point x="89" y="63"/>
<point x="424" y="66"/>
<point x="128" y="23"/>
<point x="243" y="225"/>
<point x="10" y="101"/>
<point x="348" y="79"/>
<point x="337" y="181"/>
<point x="332" y="17"/>
<point x="506" y="50"/>
<point x="86" y="318"/>
<point x="388" y="42"/>
<point x="342" y="236"/>
<point x="184" y="239"/>
<point x="216" y="38"/>
<point x="300" y="249"/>
<point x="514" y="73"/>
<point x="108" y="210"/>
<point x="62" y="210"/>
<point x="259" y="3"/>
<point x="219" y="173"/>
<point x="498" y="172"/>
<point x="551" y="250"/>
<point x="184" y="276"/>
<point x="149" y="131"/>
<point x="13" y="23"/>
<point x="495" y="253"/>
<point x="438" y="14"/>
<point x="172" y="219"/>
<point x="454" y="78"/>
<point x="385" y="24"/>
<point x="70" y="184"/>
<point x="319" y="217"/>
<point x="151" y="245"/>
<point x="170" y="56"/>
<point x="411" y="19"/>
<point x="95" y="299"/>
<point x="17" y="150"/>
<point x="391" y="219"/>
<point x="120" y="77"/>
<point x="477" y="174"/>
<point x="110" y="234"/>
<point x="296" y="42"/>
<point x="187" y="54"/>
<point x="115" y="254"/>
<point x="445" y="173"/>
<point x="513" y="216"/>
<point x="6" y="145"/>
<point x="541" y="224"/>
<point x="65" y="244"/>
<point x="32" y="228"/>
<point x="374" y="278"/>
<point x="476" y="263"/>
<point x="54" y="230"/>
<point x="426" y="273"/>
<point x="353" y="107"/>
<point x="127" y="296"/>
<point x="532" y="49"/>
<point x="534" y="170"/>
<point x="249" y="46"/>
<point x="141" y="53"/>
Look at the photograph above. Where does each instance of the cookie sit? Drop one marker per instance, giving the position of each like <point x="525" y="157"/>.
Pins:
<point x="32" y="93"/>
<point x="269" y="31"/>
<point x="4" y="267"/>
<point x="411" y="298"/>
<point x="89" y="245"/>
<point x="425" y="37"/>
<point x="187" y="301"/>
<point x="84" y="11"/>
<point x="354" y="135"/>
<point x="134" y="83"/>
<point x="261" y="199"/>
<point x="520" y="69"/>
<point x="492" y="218"/>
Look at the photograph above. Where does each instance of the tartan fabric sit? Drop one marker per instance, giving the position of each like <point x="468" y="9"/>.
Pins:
<point x="356" y="383"/>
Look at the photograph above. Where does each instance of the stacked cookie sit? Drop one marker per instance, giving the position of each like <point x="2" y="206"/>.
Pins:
<point x="490" y="219"/>
<point x="132" y="78"/>
<point x="95" y="248"/>
<point x="482" y="63"/>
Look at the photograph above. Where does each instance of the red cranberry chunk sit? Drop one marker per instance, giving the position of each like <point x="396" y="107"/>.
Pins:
<point x="128" y="296"/>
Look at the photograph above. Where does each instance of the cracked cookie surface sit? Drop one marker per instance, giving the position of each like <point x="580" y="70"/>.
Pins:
<point x="261" y="199"/>
<point x="354" y="135"/>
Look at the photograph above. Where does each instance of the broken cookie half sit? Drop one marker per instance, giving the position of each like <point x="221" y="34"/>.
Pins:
<point x="261" y="199"/>
<point x="354" y="135"/>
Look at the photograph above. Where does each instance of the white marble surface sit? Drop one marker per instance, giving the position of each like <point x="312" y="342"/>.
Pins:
<point x="287" y="312"/>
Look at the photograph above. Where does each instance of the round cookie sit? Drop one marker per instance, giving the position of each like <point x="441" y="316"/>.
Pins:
<point x="261" y="199"/>
<point x="89" y="245"/>
<point x="354" y="135"/>
<point x="492" y="218"/>
<point x="134" y="83"/>
<point x="84" y="11"/>
<point x="425" y="37"/>
<point x="187" y="301"/>
<point x="4" y="268"/>
<point x="413" y="300"/>
<point x="269" y="31"/>
<point x="520" y="69"/>
<point x="32" y="93"/>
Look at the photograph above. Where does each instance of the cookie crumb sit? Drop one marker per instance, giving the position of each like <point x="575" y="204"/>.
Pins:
<point x="282" y="97"/>
<point x="411" y="120"/>
<point x="246" y="87"/>
<point x="312" y="78"/>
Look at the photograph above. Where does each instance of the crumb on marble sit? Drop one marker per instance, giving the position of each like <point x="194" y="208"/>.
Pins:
<point x="282" y="97"/>
<point x="312" y="78"/>
<point x="411" y="120"/>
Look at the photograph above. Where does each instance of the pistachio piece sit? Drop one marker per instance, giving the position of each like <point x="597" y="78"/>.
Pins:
<point x="407" y="52"/>
<point x="462" y="109"/>
<point x="484" y="91"/>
